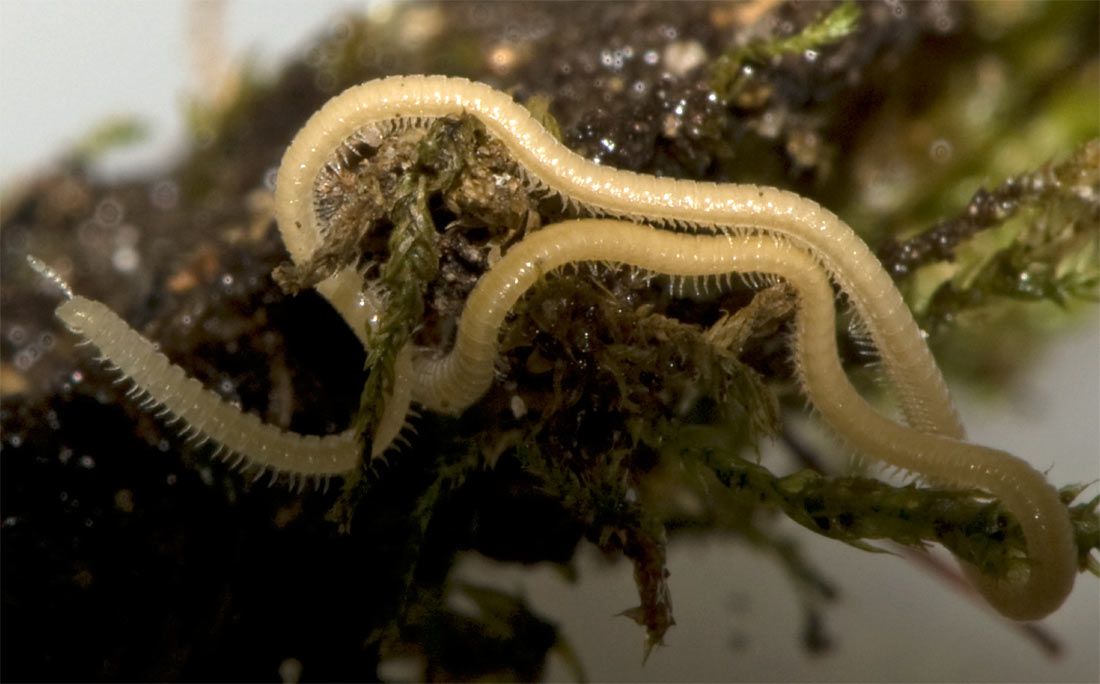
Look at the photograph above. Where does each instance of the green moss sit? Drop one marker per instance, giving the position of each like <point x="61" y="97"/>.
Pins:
<point x="856" y="510"/>
<point x="1034" y="237"/>
<point x="731" y="73"/>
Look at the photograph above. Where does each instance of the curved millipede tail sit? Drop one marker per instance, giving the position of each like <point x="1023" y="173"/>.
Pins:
<point x="453" y="382"/>
<point x="206" y="416"/>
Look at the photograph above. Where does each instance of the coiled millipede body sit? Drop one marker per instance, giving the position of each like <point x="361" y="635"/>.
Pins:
<point x="656" y="225"/>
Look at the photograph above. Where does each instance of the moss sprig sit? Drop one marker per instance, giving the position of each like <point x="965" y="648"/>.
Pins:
<point x="729" y="75"/>
<point x="1033" y="237"/>
<point x="856" y="510"/>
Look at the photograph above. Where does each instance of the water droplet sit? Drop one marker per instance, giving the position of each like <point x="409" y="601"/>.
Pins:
<point x="683" y="56"/>
<point x="26" y="358"/>
<point x="109" y="212"/>
<point x="519" y="408"/>
<point x="941" y="151"/>
<point x="502" y="58"/>
<point x="125" y="259"/>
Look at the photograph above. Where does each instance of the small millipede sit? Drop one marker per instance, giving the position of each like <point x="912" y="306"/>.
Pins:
<point x="756" y="232"/>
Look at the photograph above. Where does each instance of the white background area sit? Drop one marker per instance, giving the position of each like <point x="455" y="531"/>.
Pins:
<point x="65" y="66"/>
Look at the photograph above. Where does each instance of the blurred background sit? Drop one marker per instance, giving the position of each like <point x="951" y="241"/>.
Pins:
<point x="67" y="66"/>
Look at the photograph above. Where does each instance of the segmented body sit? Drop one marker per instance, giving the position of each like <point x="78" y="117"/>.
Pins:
<point x="735" y="229"/>
<point x="165" y="387"/>
<point x="461" y="377"/>
<point x="599" y="190"/>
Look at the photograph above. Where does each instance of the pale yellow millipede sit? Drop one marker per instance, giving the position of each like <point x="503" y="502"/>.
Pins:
<point x="657" y="225"/>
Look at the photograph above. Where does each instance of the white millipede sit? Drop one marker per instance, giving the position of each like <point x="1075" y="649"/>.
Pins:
<point x="737" y="229"/>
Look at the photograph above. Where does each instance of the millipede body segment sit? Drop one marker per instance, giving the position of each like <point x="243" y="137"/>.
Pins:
<point x="163" y="386"/>
<point x="600" y="190"/>
<point x="460" y="378"/>
<point x="663" y="226"/>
